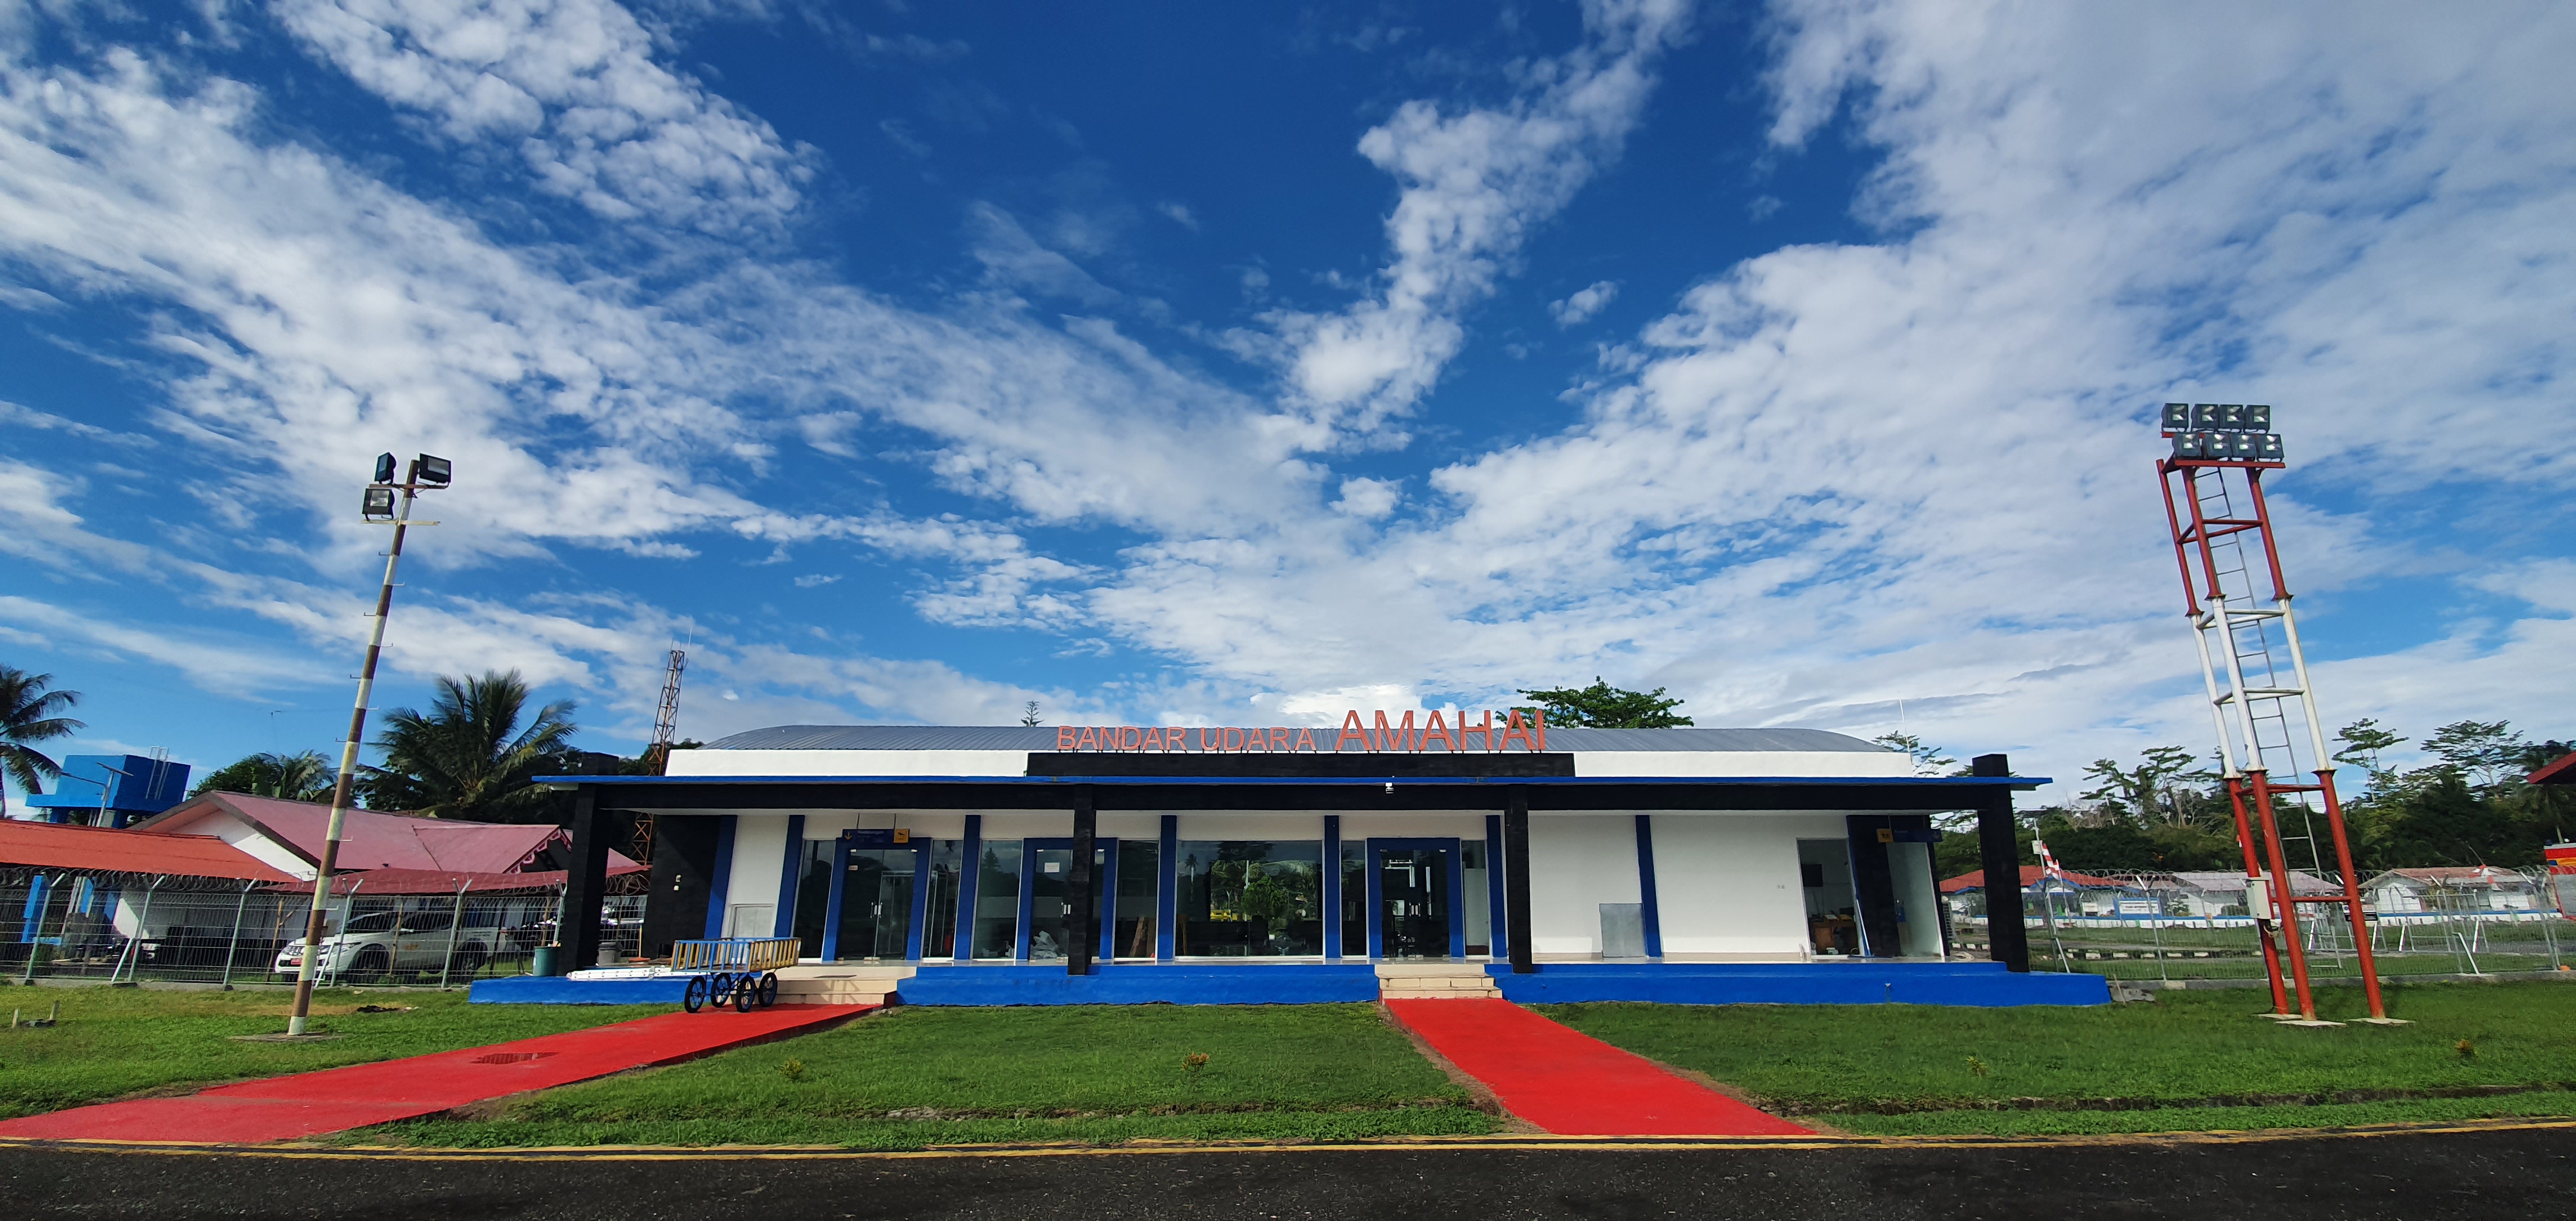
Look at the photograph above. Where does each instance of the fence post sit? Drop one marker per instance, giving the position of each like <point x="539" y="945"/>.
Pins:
<point x="454" y="918"/>
<point x="36" y="941"/>
<point x="232" y="948"/>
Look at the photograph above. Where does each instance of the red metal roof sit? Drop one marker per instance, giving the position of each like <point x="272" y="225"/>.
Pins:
<point x="434" y="882"/>
<point x="375" y="839"/>
<point x="1975" y="879"/>
<point x="100" y="850"/>
<point x="2562" y="771"/>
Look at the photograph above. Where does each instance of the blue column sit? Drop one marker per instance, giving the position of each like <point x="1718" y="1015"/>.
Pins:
<point x="1167" y="890"/>
<point x="1651" y="914"/>
<point x="968" y="874"/>
<point x="832" y="909"/>
<point x="785" y="922"/>
<point x="1332" y="886"/>
<point x="920" y="899"/>
<point x="720" y="887"/>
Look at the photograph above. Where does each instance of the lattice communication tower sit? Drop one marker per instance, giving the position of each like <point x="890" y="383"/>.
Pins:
<point x="2260" y="701"/>
<point x="657" y="756"/>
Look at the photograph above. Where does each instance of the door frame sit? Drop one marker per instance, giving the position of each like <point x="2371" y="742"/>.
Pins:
<point x="1377" y="845"/>
<point x="841" y="846"/>
<point x="1107" y="915"/>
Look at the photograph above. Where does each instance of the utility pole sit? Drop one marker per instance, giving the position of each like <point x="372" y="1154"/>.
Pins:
<point x="378" y="507"/>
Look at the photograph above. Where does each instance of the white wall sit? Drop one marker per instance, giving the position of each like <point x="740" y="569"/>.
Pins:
<point x="1577" y="863"/>
<point x="223" y="825"/>
<point x="849" y="763"/>
<point x="759" y="853"/>
<point x="1741" y="763"/>
<point x="1727" y="885"/>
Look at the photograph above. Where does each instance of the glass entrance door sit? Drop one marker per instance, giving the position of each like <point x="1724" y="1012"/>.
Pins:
<point x="1415" y="903"/>
<point x="876" y="902"/>
<point x="1047" y="898"/>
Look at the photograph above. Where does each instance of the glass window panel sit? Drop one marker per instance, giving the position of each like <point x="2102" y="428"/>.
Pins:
<point x="1250" y="899"/>
<point x="997" y="900"/>
<point x="1051" y="900"/>
<point x="1355" y="898"/>
<point x="939" y="938"/>
<point x="876" y="904"/>
<point x="814" y="897"/>
<point x="1476" y="898"/>
<point x="1139" y="881"/>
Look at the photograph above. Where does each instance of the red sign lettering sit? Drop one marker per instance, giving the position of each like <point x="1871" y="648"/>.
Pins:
<point x="1378" y="735"/>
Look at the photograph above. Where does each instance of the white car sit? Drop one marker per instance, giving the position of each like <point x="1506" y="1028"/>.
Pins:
<point x="377" y="943"/>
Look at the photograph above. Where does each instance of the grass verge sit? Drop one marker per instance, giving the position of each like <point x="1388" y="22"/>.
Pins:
<point x="911" y="1078"/>
<point x="2189" y="1061"/>
<point x="116" y="1042"/>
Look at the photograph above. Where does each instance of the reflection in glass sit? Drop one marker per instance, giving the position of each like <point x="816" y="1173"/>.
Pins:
<point x="1250" y="898"/>
<point x="997" y="900"/>
<point x="1051" y="900"/>
<point x="1476" y="898"/>
<point x="1414" y="899"/>
<point x="1355" y="898"/>
<point x="876" y="904"/>
<point x="1139" y="877"/>
<point x="813" y="896"/>
<point x="939" y="936"/>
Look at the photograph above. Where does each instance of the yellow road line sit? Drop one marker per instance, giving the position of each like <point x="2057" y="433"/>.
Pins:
<point x="1434" y="1144"/>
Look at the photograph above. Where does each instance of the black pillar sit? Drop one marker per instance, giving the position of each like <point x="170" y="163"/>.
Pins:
<point x="684" y="871"/>
<point x="1999" y="853"/>
<point x="1077" y="882"/>
<point x="1516" y="867"/>
<point x="586" y="874"/>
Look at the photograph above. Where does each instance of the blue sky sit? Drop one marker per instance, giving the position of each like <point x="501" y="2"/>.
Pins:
<point x="1243" y="364"/>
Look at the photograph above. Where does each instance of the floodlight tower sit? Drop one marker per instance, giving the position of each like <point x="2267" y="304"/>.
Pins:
<point x="2213" y="485"/>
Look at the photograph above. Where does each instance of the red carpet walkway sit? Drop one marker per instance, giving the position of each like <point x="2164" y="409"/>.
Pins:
<point x="334" y="1100"/>
<point x="1572" y="1084"/>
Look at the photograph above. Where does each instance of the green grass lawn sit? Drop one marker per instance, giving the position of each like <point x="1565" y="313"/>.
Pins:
<point x="113" y="1042"/>
<point x="908" y="1078"/>
<point x="2188" y="1061"/>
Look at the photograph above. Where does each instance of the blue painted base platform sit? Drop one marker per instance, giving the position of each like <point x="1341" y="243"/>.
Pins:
<point x="1984" y="984"/>
<point x="1313" y="983"/>
<point x="556" y="990"/>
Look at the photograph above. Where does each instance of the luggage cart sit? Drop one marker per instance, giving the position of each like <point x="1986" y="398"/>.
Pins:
<point x="741" y="971"/>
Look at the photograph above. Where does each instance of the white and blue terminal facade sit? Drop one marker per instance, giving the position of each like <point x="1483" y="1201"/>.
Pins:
<point x="1122" y="853"/>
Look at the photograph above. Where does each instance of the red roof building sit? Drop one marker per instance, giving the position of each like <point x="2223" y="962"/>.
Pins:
<point x="1975" y="879"/>
<point x="288" y="836"/>
<point x="75" y="849"/>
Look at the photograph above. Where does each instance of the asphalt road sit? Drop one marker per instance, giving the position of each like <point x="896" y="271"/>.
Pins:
<point x="2480" y="1174"/>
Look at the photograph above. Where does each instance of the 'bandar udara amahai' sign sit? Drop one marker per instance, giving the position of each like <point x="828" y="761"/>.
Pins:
<point x="1528" y="727"/>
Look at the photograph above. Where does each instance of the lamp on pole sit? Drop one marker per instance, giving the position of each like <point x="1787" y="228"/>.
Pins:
<point x="425" y="474"/>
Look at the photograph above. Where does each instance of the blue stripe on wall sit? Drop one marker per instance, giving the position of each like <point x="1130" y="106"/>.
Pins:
<point x="1651" y="913"/>
<point x="785" y="922"/>
<point x="720" y="887"/>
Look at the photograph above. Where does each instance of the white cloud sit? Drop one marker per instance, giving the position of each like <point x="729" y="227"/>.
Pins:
<point x="1579" y="307"/>
<point x="1180" y="214"/>
<point x="816" y="580"/>
<point x="1476" y="182"/>
<point x="1368" y="498"/>
<point x="574" y="85"/>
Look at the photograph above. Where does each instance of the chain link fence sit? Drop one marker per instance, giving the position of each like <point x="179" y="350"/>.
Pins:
<point x="186" y="930"/>
<point x="2155" y="928"/>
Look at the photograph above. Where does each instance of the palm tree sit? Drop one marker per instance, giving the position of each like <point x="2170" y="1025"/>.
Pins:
<point x="27" y="714"/>
<point x="300" y="777"/>
<point x="468" y="758"/>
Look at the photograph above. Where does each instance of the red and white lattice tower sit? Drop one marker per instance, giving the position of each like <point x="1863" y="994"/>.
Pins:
<point x="657" y="756"/>
<point x="2270" y="741"/>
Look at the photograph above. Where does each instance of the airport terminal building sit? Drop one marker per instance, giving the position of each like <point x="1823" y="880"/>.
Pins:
<point x="1090" y="850"/>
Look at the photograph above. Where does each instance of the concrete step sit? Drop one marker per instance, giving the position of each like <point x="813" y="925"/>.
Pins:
<point x="1434" y="981"/>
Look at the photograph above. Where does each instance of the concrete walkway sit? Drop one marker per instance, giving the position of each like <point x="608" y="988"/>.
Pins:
<point x="335" y="1100"/>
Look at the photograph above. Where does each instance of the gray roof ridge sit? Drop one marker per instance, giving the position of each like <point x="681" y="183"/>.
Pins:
<point x="1688" y="739"/>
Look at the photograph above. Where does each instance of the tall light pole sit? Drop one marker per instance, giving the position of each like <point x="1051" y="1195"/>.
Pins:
<point x="426" y="474"/>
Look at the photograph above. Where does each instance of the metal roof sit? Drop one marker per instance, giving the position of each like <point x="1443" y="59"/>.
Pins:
<point x="1043" y="738"/>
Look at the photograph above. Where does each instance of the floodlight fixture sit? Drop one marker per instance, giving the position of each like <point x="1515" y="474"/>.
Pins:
<point x="384" y="468"/>
<point x="2258" y="418"/>
<point x="2267" y="447"/>
<point x="2204" y="417"/>
<point x="432" y="471"/>
<point x="2177" y="418"/>
<point x="379" y="505"/>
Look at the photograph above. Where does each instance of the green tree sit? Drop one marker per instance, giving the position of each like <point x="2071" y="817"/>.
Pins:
<point x="1928" y="760"/>
<point x="2363" y="741"/>
<point x="2484" y="751"/>
<point x="469" y="758"/>
<point x="30" y="712"/>
<point x="1602" y="706"/>
<point x="2154" y="790"/>
<point x="299" y="777"/>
